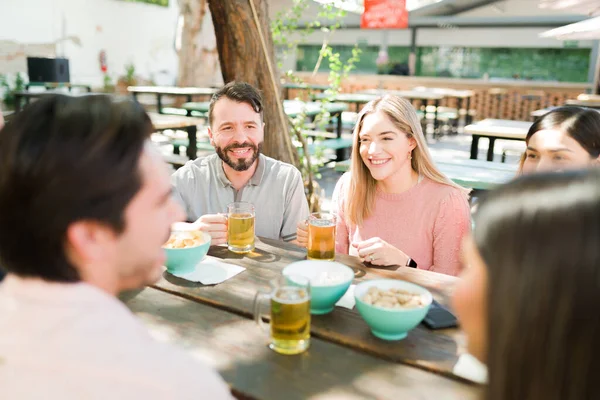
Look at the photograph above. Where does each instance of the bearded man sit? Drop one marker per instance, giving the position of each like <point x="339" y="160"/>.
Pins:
<point x="239" y="172"/>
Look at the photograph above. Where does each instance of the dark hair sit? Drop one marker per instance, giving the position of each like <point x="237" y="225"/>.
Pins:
<point x="240" y="92"/>
<point x="582" y="124"/>
<point x="65" y="159"/>
<point x="539" y="236"/>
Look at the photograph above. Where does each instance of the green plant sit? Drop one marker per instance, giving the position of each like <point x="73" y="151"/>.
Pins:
<point x="10" y="89"/>
<point x="109" y="86"/>
<point x="287" y="35"/>
<point x="130" y="74"/>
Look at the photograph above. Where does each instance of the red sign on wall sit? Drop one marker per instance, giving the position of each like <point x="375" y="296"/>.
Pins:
<point x="384" y="14"/>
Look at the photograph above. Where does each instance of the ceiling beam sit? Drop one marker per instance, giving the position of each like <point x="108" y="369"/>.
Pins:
<point x="484" y="22"/>
<point x="449" y="7"/>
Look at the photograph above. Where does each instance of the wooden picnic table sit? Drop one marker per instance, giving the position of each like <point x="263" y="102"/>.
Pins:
<point x="495" y="129"/>
<point x="58" y="85"/>
<point x="586" y="100"/>
<point x="540" y="113"/>
<point x="463" y="97"/>
<point x="471" y="174"/>
<point x="292" y="108"/>
<point x="234" y="346"/>
<point x="424" y="96"/>
<point x="357" y="99"/>
<point x="26" y="97"/>
<point x="344" y="356"/>
<point x="301" y="86"/>
<point x="160" y="91"/>
<point x="163" y="122"/>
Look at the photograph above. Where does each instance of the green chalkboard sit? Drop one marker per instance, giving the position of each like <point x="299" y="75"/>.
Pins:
<point x="565" y="64"/>
<point x="557" y="64"/>
<point x="307" y="56"/>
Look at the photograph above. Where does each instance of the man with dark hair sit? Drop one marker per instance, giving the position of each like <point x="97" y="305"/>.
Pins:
<point x="86" y="207"/>
<point x="239" y="172"/>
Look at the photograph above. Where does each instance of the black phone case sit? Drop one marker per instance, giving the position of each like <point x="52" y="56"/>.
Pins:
<point x="439" y="317"/>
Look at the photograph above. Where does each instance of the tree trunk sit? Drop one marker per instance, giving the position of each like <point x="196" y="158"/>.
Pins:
<point x="244" y="56"/>
<point x="198" y="57"/>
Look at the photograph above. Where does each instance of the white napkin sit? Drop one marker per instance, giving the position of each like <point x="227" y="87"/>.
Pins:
<point x="211" y="271"/>
<point x="470" y="368"/>
<point x="347" y="300"/>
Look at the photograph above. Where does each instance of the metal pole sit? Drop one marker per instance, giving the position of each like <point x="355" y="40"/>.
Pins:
<point x="594" y="70"/>
<point x="412" y="58"/>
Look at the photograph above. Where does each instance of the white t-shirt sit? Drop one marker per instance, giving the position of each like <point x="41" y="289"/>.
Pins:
<point x="74" y="341"/>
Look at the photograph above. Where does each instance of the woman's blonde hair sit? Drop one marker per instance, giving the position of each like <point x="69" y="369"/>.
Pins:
<point x="360" y="194"/>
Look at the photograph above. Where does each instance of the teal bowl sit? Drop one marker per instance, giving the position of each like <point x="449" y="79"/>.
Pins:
<point x="181" y="261"/>
<point x="391" y="323"/>
<point x="329" y="281"/>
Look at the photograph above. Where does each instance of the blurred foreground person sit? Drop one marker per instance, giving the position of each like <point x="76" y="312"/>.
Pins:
<point x="529" y="300"/>
<point x="86" y="206"/>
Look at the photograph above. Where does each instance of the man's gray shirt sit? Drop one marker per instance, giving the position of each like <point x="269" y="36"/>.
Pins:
<point x="276" y="190"/>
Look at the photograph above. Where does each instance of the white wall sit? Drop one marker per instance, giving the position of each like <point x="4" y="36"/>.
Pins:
<point x="137" y="33"/>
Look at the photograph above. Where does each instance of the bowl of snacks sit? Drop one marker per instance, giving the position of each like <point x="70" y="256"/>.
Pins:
<point x="391" y="307"/>
<point x="329" y="281"/>
<point x="185" y="249"/>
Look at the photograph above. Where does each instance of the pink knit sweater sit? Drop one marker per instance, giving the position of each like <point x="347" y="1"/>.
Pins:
<point x="427" y="222"/>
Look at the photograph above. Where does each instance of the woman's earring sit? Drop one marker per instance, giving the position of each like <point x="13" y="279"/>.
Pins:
<point x="410" y="155"/>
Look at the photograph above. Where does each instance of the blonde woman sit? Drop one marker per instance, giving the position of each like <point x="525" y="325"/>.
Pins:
<point x="395" y="208"/>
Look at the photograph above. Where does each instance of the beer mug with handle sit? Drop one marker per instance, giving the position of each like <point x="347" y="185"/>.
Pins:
<point x="289" y="311"/>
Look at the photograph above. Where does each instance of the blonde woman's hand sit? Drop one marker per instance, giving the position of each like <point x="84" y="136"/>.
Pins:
<point x="377" y="251"/>
<point x="302" y="233"/>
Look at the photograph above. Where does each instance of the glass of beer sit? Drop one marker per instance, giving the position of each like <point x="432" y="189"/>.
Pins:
<point x="289" y="303"/>
<point x="321" y="236"/>
<point x="240" y="227"/>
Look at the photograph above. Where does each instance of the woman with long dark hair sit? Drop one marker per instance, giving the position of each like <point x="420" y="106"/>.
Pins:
<point x="529" y="300"/>
<point x="564" y="138"/>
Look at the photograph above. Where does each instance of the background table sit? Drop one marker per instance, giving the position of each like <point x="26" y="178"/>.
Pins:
<point x="495" y="129"/>
<point x="162" y="122"/>
<point x="160" y="91"/>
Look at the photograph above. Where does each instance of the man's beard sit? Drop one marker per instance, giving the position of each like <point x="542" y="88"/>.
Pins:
<point x="241" y="164"/>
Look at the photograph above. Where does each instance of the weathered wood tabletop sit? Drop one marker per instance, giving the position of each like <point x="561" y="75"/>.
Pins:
<point x="433" y="351"/>
<point x="236" y="347"/>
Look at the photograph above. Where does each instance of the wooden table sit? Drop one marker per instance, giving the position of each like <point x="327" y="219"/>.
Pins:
<point x="471" y="174"/>
<point x="27" y="96"/>
<point x="160" y="91"/>
<point x="495" y="129"/>
<point x="424" y="96"/>
<point x="586" y="100"/>
<point x="58" y="85"/>
<point x="344" y="361"/>
<point x="301" y="86"/>
<point x="541" y="112"/>
<point x="292" y="108"/>
<point x="162" y="122"/>
<point x="463" y="98"/>
<point x="357" y="99"/>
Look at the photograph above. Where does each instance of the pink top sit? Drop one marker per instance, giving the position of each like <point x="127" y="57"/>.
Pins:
<point x="74" y="341"/>
<point x="426" y="222"/>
